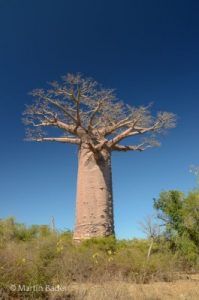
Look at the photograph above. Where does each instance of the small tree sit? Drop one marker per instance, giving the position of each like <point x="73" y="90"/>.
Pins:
<point x="180" y="216"/>
<point x="169" y="208"/>
<point x="92" y="117"/>
<point x="152" y="231"/>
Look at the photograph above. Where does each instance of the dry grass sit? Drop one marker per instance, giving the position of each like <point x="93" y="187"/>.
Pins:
<point x="179" y="290"/>
<point x="97" y="269"/>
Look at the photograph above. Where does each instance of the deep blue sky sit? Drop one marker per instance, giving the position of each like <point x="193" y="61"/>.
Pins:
<point x="147" y="50"/>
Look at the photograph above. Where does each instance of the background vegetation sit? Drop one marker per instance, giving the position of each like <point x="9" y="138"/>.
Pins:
<point x="39" y="255"/>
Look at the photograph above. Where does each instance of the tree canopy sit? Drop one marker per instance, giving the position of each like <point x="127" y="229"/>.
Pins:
<point x="85" y="111"/>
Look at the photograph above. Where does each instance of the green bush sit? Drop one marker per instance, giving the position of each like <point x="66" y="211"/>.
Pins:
<point x="180" y="215"/>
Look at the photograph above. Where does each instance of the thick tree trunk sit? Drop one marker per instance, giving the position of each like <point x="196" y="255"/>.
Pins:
<point x="94" y="203"/>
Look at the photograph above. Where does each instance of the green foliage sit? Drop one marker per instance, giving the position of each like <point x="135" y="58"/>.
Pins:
<point x="169" y="206"/>
<point x="102" y="244"/>
<point x="11" y="230"/>
<point x="180" y="215"/>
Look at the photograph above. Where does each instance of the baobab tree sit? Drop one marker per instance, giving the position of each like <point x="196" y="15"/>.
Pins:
<point x="92" y="118"/>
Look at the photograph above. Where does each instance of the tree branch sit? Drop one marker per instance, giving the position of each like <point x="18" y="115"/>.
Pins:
<point x="62" y="108"/>
<point x="147" y="143"/>
<point x="78" y="108"/>
<point x="94" y="114"/>
<point x="110" y="129"/>
<point x="140" y="147"/>
<point x="67" y="127"/>
<point x="131" y="131"/>
<point x="59" y="139"/>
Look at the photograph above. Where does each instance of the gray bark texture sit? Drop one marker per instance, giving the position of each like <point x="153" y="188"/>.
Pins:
<point x="94" y="203"/>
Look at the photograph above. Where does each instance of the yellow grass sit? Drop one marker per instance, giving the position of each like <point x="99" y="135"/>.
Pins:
<point x="178" y="290"/>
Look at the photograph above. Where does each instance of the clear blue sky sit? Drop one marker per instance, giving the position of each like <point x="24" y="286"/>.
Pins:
<point x="147" y="50"/>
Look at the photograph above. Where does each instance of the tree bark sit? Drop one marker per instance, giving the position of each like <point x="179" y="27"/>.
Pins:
<point x="94" y="202"/>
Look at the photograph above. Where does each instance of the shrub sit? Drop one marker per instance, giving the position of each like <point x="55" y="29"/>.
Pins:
<point x="37" y="255"/>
